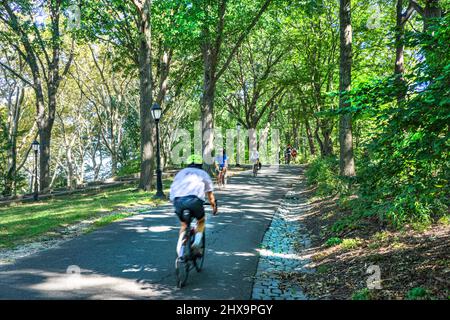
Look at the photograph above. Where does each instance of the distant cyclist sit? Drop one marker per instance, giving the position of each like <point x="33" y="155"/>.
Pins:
<point x="254" y="158"/>
<point x="221" y="163"/>
<point x="287" y="154"/>
<point x="188" y="191"/>
<point x="294" y="154"/>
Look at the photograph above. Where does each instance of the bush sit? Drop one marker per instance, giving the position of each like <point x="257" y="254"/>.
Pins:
<point x="323" y="173"/>
<point x="129" y="167"/>
<point x="417" y="293"/>
<point x="363" y="294"/>
<point x="348" y="244"/>
<point x="334" y="241"/>
<point x="404" y="173"/>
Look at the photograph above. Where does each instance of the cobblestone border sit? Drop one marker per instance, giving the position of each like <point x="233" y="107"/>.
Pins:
<point x="278" y="252"/>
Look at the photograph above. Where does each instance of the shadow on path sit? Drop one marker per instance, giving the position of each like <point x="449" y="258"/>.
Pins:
<point x="134" y="258"/>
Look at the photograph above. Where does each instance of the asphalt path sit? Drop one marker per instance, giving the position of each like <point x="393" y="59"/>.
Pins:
<point x="135" y="258"/>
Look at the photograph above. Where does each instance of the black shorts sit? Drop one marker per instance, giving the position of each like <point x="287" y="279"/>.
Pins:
<point x="191" y="203"/>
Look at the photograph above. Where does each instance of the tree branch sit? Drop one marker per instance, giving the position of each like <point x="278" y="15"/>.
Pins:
<point x="16" y="74"/>
<point x="241" y="39"/>
<point x="413" y="4"/>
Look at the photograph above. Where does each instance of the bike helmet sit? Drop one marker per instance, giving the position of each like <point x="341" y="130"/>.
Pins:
<point x="195" y="160"/>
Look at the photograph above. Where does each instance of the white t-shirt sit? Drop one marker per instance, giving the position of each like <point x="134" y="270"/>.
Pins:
<point x="191" y="182"/>
<point x="254" y="156"/>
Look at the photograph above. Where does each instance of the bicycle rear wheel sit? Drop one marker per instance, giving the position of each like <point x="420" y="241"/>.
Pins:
<point x="183" y="264"/>
<point x="198" y="261"/>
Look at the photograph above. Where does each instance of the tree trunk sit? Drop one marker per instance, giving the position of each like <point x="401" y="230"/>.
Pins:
<point x="210" y="48"/>
<point x="252" y="139"/>
<point x="14" y="111"/>
<point x="312" y="147"/>
<point x="325" y="144"/>
<point x="10" y="179"/>
<point x="295" y="134"/>
<point x="399" y="69"/>
<point x="347" y="162"/>
<point x="317" y="136"/>
<point x="70" y="169"/>
<point x="432" y="10"/>
<point x="327" y="141"/>
<point x="45" y="130"/>
<point x="145" y="101"/>
<point x="207" y="103"/>
<point x="80" y="177"/>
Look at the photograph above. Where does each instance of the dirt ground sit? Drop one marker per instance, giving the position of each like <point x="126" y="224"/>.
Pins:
<point x="412" y="264"/>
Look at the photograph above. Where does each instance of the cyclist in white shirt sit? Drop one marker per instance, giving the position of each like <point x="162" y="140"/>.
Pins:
<point x="254" y="158"/>
<point x="188" y="191"/>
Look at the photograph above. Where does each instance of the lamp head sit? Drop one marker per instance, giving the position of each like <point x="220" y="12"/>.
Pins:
<point x="156" y="112"/>
<point x="35" y="146"/>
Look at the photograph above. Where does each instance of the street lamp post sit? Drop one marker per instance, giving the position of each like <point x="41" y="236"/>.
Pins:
<point x="35" y="146"/>
<point x="156" y="113"/>
<point x="238" y="145"/>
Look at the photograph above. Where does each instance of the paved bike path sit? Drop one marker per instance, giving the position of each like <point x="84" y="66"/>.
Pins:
<point x="135" y="258"/>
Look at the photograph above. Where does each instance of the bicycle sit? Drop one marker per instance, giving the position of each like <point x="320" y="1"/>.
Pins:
<point x="189" y="259"/>
<point x="255" y="169"/>
<point x="287" y="158"/>
<point x="221" y="178"/>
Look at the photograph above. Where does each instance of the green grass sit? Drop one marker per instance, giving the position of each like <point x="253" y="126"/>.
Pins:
<point x="363" y="294"/>
<point x="445" y="220"/>
<point x="333" y="241"/>
<point x="26" y="222"/>
<point x="417" y="293"/>
<point x="103" y="221"/>
<point x="323" y="268"/>
<point x="350" y="244"/>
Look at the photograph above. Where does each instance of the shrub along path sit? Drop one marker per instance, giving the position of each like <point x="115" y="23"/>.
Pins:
<point x="412" y="263"/>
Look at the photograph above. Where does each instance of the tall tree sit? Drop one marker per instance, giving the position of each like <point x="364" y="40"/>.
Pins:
<point x="13" y="90"/>
<point x="145" y="88"/>
<point x="108" y="93"/>
<point x="399" y="68"/>
<point x="128" y="25"/>
<point x="347" y="162"/>
<point x="430" y="11"/>
<point x="314" y="33"/>
<point x="251" y="81"/>
<point x="40" y="45"/>
<point x="211" y="49"/>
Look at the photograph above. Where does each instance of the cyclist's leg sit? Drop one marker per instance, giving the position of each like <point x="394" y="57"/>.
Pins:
<point x="198" y="212"/>
<point x="181" y="235"/>
<point x="220" y="176"/>
<point x="219" y="172"/>
<point x="180" y="206"/>
<point x="200" y="225"/>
